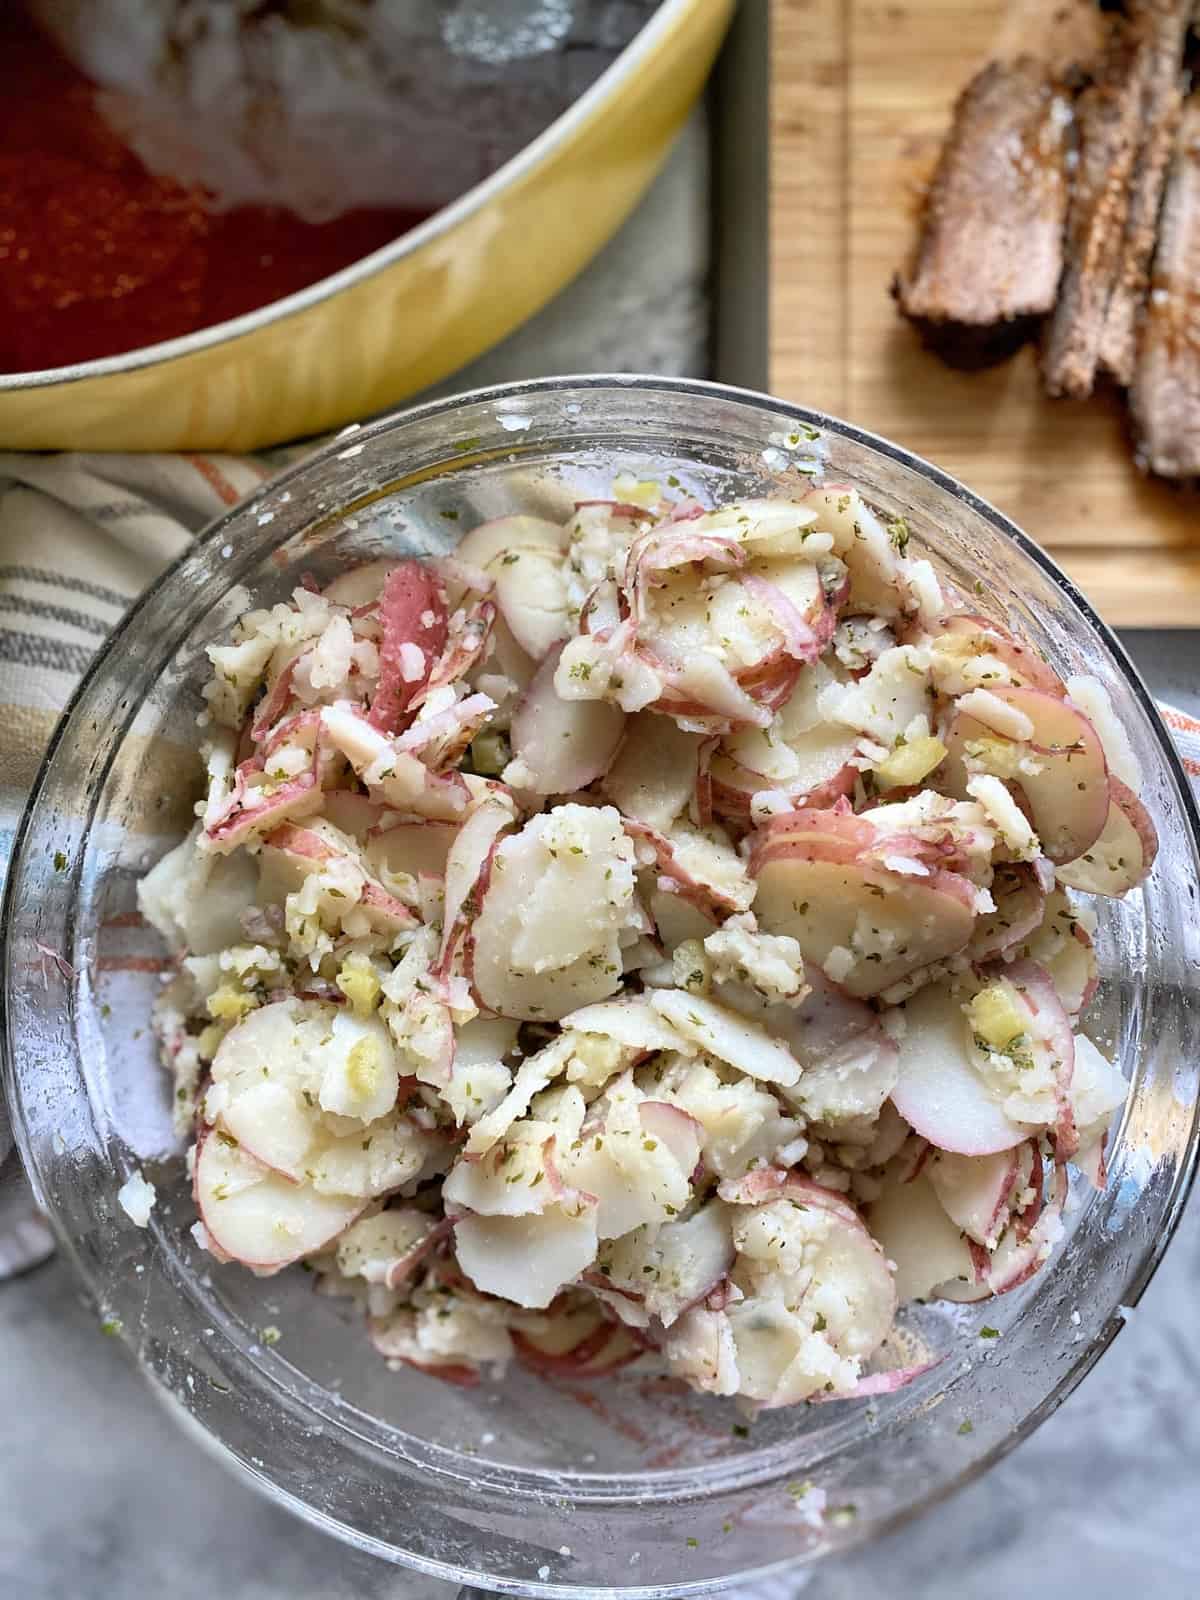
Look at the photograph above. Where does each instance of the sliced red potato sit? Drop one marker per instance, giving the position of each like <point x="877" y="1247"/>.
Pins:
<point x="1020" y="906"/>
<point x="820" y="881"/>
<point x="811" y="769"/>
<point x="848" y="1062"/>
<point x="393" y="777"/>
<point x="700" y="864"/>
<point x="978" y="1193"/>
<point x="765" y="1184"/>
<point x="631" y="1022"/>
<point x="511" y="1180"/>
<point x="351" y="813"/>
<point x="259" y="1218"/>
<point x="884" y="704"/>
<point x="1020" y="1253"/>
<point x="562" y="745"/>
<point x="1123" y="855"/>
<point x="412" y="610"/>
<point x="794" y="597"/>
<point x="195" y="900"/>
<point x="788" y="1351"/>
<point x="468" y="871"/>
<point x="387" y="1248"/>
<point x="291" y="852"/>
<point x="1089" y="695"/>
<point x="273" y="1125"/>
<point x="526" y="1259"/>
<point x="655" y="771"/>
<point x="581" y="1341"/>
<point x="678" y="1266"/>
<point x="927" y="1249"/>
<point x="252" y="807"/>
<point x="939" y="1091"/>
<point x="545" y="941"/>
<point x="864" y="544"/>
<point x="410" y="849"/>
<point x="1063" y="946"/>
<point x="1051" y="1041"/>
<point x="963" y="635"/>
<point x="347" y="1064"/>
<point x="486" y="546"/>
<point x="531" y="592"/>
<point x="726" y="1034"/>
<point x="1045" y="746"/>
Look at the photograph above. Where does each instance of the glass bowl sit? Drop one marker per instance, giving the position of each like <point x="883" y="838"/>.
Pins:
<point x="544" y="1487"/>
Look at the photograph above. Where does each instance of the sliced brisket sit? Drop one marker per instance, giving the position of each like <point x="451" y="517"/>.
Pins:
<point x="1160" y="70"/>
<point x="1165" y="396"/>
<point x="989" y="258"/>
<point x="1108" y="114"/>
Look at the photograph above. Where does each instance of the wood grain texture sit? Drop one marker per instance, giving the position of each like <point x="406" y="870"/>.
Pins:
<point x="862" y="92"/>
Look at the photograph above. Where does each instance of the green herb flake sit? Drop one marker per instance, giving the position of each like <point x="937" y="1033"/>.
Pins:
<point x="989" y="1333"/>
<point x="740" y="1431"/>
<point x="112" y="1326"/>
<point x="60" y="861"/>
<point x="271" y="1334"/>
<point x="966" y="1426"/>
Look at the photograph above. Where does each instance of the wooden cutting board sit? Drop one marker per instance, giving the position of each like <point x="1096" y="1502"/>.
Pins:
<point x="861" y="97"/>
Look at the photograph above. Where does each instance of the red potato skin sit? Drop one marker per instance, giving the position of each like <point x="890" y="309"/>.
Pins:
<point x="736" y="786"/>
<point x="1036" y="990"/>
<point x="263" y="1269"/>
<point x="1021" y="659"/>
<point x="309" y="846"/>
<point x="410" y="592"/>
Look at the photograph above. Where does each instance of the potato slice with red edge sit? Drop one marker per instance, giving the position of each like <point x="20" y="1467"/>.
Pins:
<point x="412" y="613"/>
<point x="258" y="1217"/>
<point x="561" y="745"/>
<point x="271" y="1124"/>
<point x="977" y="1193"/>
<point x="1123" y="855"/>
<point x="812" y="768"/>
<point x="526" y="1259"/>
<point x="939" y="1092"/>
<point x="966" y="634"/>
<point x="820" y="880"/>
<point x="1056" y="759"/>
<point x="1063" y="946"/>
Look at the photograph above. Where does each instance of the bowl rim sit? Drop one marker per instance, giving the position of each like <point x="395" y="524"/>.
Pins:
<point x="643" y="46"/>
<point x="1172" y="1206"/>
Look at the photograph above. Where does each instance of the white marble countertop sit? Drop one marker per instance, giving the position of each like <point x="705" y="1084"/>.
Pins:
<point x="102" y="1498"/>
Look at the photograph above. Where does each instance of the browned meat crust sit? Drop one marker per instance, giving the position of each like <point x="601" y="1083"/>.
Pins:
<point x="1160" y="63"/>
<point x="1165" y="396"/>
<point x="988" y="262"/>
<point x="1109" y="119"/>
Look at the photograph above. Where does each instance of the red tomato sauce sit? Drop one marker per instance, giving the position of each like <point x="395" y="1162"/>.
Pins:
<point x="99" y="256"/>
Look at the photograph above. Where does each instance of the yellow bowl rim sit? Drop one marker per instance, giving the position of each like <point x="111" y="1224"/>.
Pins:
<point x="644" y="44"/>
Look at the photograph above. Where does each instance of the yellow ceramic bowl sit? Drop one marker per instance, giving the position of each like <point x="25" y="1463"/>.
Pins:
<point x="402" y="318"/>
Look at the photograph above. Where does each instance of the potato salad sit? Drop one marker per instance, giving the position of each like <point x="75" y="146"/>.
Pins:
<point x="660" y="937"/>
